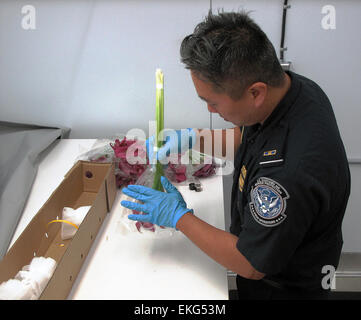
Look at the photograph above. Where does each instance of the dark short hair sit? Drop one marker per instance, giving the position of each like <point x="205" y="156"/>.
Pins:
<point x="231" y="51"/>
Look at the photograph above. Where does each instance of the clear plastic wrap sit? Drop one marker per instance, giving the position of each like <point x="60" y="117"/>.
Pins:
<point x="132" y="167"/>
<point x="128" y="154"/>
<point x="190" y="166"/>
<point x="127" y="225"/>
<point x="101" y="151"/>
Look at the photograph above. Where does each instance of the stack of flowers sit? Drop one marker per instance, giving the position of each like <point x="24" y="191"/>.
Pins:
<point x="177" y="172"/>
<point x="127" y="173"/>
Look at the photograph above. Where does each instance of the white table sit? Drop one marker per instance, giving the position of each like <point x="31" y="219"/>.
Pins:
<point x="133" y="266"/>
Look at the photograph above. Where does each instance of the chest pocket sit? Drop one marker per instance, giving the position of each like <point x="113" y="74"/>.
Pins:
<point x="270" y="153"/>
<point x="273" y="152"/>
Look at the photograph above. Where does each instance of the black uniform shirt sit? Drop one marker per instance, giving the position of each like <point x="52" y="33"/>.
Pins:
<point x="290" y="189"/>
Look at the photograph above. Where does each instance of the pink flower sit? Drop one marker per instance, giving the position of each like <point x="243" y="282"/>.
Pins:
<point x="206" y="171"/>
<point x="145" y="225"/>
<point x="129" y="173"/>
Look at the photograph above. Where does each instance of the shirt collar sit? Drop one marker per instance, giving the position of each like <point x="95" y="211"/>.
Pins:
<point x="281" y="109"/>
<point x="286" y="102"/>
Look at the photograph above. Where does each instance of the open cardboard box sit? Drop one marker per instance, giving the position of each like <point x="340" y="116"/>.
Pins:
<point x="86" y="184"/>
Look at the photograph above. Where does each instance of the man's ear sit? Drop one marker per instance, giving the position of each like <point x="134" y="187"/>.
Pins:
<point x="258" y="93"/>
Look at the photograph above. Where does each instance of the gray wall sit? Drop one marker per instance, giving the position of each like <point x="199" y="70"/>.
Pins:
<point x="90" y="65"/>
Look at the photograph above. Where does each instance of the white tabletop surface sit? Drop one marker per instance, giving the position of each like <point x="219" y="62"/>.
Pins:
<point x="124" y="265"/>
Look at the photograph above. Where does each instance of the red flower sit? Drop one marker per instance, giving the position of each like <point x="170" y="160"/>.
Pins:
<point x="128" y="173"/>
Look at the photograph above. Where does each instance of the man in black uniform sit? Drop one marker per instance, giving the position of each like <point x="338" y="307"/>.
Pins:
<point x="291" y="178"/>
<point x="291" y="186"/>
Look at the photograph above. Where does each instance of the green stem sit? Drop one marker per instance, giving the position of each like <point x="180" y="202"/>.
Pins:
<point x="157" y="185"/>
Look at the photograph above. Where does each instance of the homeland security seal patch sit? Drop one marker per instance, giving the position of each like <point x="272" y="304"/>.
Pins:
<point x="268" y="202"/>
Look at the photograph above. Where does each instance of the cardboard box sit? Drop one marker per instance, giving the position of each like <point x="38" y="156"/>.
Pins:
<point x="86" y="183"/>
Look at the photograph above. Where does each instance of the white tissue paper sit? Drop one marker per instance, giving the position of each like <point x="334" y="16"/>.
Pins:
<point x="30" y="282"/>
<point x="75" y="216"/>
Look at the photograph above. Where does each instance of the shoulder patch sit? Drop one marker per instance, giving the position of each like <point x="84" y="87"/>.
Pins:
<point x="268" y="202"/>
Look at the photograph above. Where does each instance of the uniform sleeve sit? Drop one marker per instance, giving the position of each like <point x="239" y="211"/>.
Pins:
<point x="279" y="212"/>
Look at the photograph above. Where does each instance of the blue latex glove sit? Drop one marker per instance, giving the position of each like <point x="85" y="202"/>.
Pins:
<point x="161" y="208"/>
<point x="177" y="141"/>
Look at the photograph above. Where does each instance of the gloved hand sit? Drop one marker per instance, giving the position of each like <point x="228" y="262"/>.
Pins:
<point x="161" y="208"/>
<point x="177" y="141"/>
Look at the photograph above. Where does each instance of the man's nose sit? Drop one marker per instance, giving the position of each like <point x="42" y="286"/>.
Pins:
<point x="211" y="109"/>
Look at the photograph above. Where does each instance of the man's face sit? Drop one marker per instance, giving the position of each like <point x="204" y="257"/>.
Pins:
<point x="240" y="112"/>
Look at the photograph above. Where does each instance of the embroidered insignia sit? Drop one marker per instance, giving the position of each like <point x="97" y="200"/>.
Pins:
<point x="269" y="153"/>
<point x="242" y="178"/>
<point x="268" y="202"/>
